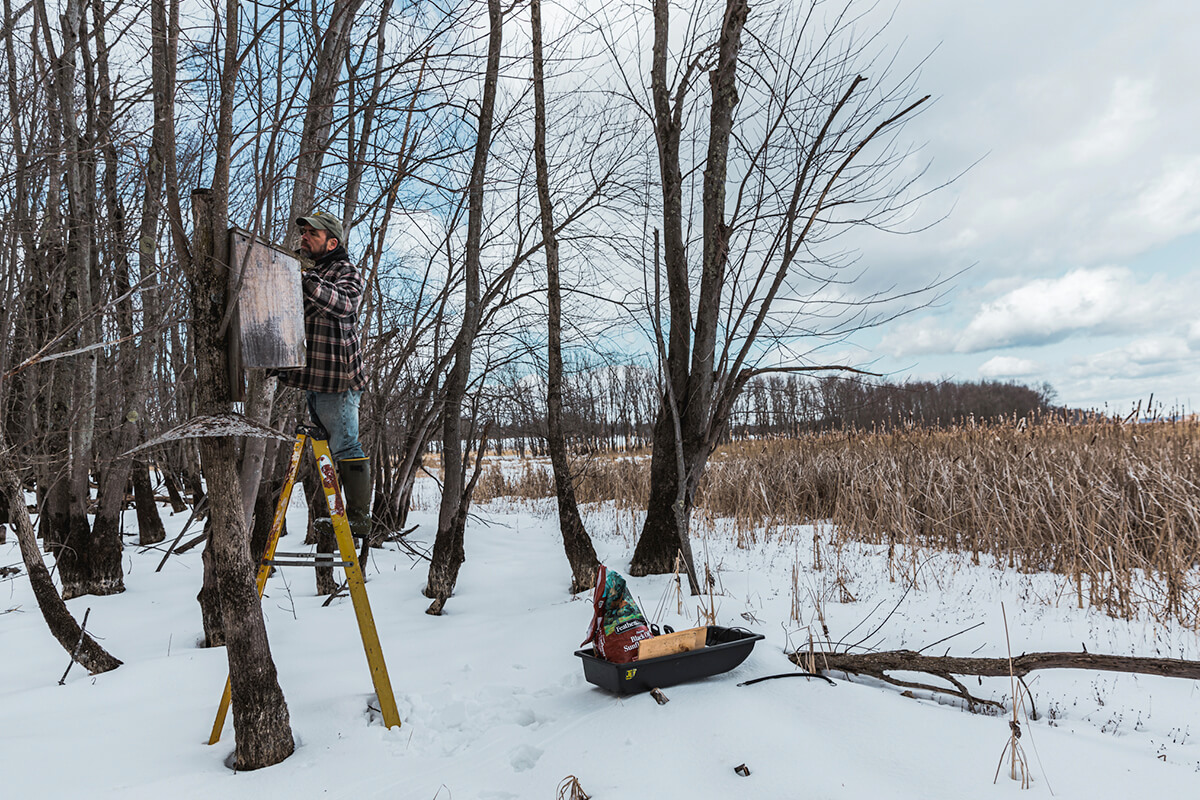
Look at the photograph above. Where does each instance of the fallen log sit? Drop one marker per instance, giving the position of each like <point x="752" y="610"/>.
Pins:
<point x="1022" y="665"/>
<point x="877" y="665"/>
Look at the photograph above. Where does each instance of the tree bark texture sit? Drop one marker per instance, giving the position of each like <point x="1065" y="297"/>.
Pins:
<point x="878" y="665"/>
<point x="669" y="507"/>
<point x="174" y="492"/>
<point x="7" y="517"/>
<point x="260" y="715"/>
<point x="123" y="410"/>
<point x="581" y="554"/>
<point x="318" y="113"/>
<point x="212" y="619"/>
<point x="150" y="525"/>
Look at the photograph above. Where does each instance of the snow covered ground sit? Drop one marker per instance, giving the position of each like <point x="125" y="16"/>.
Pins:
<point x="494" y="704"/>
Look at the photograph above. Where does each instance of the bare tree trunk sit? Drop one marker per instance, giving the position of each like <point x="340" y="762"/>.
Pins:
<point x="681" y="435"/>
<point x="212" y="618"/>
<point x="358" y="149"/>
<point x="150" y="524"/>
<point x="578" y="545"/>
<point x="318" y="113"/>
<point x="48" y="308"/>
<point x="660" y="542"/>
<point x="82" y="647"/>
<point x="448" y="553"/>
<point x="89" y="561"/>
<point x="668" y="478"/>
<point x="707" y="373"/>
<point x="269" y="491"/>
<point x="16" y="409"/>
<point x="133" y="361"/>
<point x="260" y="714"/>
<point x="174" y="494"/>
<point x="164" y="22"/>
<point x="1020" y="666"/>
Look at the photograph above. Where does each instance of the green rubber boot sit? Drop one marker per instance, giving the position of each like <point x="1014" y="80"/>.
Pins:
<point x="355" y="474"/>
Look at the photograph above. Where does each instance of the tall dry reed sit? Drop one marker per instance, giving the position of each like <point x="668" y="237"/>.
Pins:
<point x="623" y="480"/>
<point x="1116" y="508"/>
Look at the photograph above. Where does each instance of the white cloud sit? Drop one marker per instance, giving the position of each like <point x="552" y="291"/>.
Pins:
<point x="1120" y="127"/>
<point x="1150" y="357"/>
<point x="1008" y="367"/>
<point x="915" y="337"/>
<point x="1193" y="336"/>
<point x="1170" y="204"/>
<point x="1104" y="300"/>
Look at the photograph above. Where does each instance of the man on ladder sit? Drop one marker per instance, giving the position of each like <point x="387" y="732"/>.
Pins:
<point x="333" y="376"/>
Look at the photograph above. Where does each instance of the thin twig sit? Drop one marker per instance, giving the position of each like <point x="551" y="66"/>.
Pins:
<point x="78" y="646"/>
<point x="951" y="636"/>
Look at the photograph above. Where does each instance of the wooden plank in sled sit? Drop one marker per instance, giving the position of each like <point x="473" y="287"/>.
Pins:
<point x="671" y="643"/>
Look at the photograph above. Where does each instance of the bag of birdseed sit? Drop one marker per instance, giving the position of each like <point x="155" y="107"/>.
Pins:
<point x="617" y="622"/>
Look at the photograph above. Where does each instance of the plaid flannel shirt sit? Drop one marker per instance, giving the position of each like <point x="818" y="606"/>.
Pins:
<point x="333" y="290"/>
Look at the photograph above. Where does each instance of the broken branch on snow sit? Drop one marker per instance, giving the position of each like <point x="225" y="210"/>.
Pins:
<point x="877" y="665"/>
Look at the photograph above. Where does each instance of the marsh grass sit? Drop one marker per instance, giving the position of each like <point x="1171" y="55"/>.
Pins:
<point x="1114" y="508"/>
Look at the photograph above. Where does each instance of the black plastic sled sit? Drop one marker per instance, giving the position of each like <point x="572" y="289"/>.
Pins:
<point x="723" y="650"/>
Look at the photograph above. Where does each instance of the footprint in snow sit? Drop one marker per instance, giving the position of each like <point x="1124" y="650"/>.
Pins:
<point x="524" y="757"/>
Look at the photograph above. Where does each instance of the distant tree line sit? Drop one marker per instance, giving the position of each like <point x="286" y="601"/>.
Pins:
<point x="782" y="405"/>
<point x="612" y="408"/>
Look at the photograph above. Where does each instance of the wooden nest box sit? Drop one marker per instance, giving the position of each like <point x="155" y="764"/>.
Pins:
<point x="267" y="326"/>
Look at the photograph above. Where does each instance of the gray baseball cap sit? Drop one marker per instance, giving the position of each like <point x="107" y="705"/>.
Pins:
<point x="324" y="221"/>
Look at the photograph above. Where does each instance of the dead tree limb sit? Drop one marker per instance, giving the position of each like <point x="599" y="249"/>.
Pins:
<point x="877" y="665"/>
<point x="1022" y="665"/>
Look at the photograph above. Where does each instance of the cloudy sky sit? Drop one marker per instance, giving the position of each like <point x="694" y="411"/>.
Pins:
<point x="1081" y="222"/>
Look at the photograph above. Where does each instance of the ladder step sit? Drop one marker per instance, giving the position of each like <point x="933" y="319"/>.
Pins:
<point x="321" y="560"/>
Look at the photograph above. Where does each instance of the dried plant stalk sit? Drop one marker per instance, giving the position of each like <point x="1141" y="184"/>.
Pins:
<point x="1113" y="507"/>
<point x="570" y="789"/>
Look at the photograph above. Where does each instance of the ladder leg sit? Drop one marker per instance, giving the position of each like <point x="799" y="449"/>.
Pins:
<point x="264" y="570"/>
<point x="281" y="507"/>
<point x="356" y="584"/>
<point x="222" y="710"/>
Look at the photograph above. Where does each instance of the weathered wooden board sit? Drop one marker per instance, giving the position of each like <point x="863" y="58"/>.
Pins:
<point x="269" y="316"/>
<point x="671" y="643"/>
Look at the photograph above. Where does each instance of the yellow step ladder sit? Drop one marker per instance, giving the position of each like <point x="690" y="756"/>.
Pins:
<point x="349" y="562"/>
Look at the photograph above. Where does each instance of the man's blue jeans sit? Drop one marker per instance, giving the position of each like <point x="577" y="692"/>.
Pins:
<point x="337" y="413"/>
